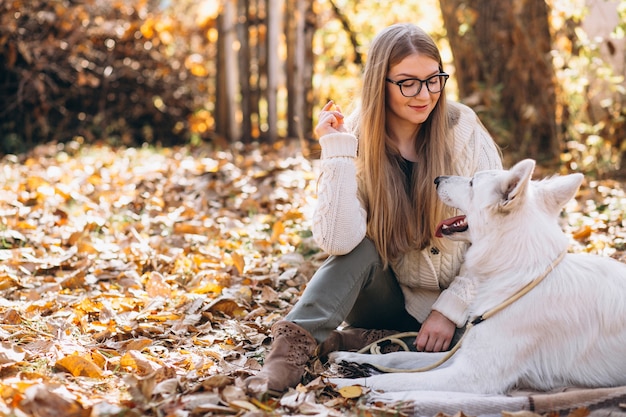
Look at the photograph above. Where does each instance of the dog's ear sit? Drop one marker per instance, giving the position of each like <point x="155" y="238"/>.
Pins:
<point x="516" y="183"/>
<point x="562" y="189"/>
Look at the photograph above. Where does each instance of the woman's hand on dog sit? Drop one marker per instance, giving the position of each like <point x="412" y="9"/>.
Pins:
<point x="435" y="334"/>
<point x="329" y="120"/>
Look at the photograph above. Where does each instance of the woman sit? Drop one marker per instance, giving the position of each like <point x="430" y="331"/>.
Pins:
<point x="378" y="210"/>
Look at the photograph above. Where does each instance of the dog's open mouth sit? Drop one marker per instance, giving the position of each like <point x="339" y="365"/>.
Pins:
<point x="451" y="226"/>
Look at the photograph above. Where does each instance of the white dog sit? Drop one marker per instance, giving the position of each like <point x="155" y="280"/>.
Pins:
<point x="568" y="330"/>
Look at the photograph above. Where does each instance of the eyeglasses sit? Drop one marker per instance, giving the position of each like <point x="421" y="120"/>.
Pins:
<point x="413" y="86"/>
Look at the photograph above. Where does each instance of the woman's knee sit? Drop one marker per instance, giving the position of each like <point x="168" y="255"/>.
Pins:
<point x="366" y="250"/>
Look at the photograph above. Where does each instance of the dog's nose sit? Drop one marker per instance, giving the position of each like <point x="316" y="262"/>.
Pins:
<point x="439" y="179"/>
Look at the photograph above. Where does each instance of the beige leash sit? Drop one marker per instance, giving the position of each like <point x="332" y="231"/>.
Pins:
<point x="397" y="338"/>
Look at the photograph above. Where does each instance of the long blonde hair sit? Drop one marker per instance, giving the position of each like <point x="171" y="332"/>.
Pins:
<point x="401" y="215"/>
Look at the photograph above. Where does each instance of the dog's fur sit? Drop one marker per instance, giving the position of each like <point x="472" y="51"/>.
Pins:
<point x="570" y="330"/>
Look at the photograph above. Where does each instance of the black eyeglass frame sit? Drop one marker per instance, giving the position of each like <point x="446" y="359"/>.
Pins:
<point x="419" y="90"/>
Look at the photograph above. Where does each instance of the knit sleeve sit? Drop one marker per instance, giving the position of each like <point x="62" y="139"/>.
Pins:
<point x="454" y="301"/>
<point x="339" y="220"/>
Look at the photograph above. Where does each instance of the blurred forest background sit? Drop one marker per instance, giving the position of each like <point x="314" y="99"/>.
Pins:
<point x="546" y="76"/>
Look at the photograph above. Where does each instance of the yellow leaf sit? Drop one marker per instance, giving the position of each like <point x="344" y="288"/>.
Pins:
<point x="98" y="359"/>
<point x="238" y="261"/>
<point x="244" y="405"/>
<point x="89" y="306"/>
<point x="136" y="361"/>
<point x="277" y="230"/>
<point x="352" y="391"/>
<point x="34" y="182"/>
<point x="582" y="233"/>
<point x="293" y="215"/>
<point x="162" y="317"/>
<point x="79" y="366"/>
<point x="211" y="286"/>
<point x="196" y="65"/>
<point x="147" y="29"/>
<point x="261" y="405"/>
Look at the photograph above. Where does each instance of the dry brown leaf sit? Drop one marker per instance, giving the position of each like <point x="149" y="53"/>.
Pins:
<point x="137" y="362"/>
<point x="268" y="295"/>
<point x="10" y="353"/>
<point x="11" y="316"/>
<point x="239" y="262"/>
<point x="217" y="381"/>
<point x="156" y="286"/>
<point x="523" y="413"/>
<point x="137" y="344"/>
<point x="227" y="306"/>
<point x="233" y="393"/>
<point x="40" y="400"/>
<point x="79" y="366"/>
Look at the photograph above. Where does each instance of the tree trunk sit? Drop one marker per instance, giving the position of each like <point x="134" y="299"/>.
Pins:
<point x="504" y="70"/>
<point x="243" y="33"/>
<point x="227" y="70"/>
<point x="274" y="28"/>
<point x="270" y="92"/>
<point x="295" y="66"/>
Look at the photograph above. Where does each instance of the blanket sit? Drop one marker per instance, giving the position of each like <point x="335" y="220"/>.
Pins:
<point x="599" y="402"/>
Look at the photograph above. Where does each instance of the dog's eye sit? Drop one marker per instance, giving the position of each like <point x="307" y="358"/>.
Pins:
<point x="472" y="182"/>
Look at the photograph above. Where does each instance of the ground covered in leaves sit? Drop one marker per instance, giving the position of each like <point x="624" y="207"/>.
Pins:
<point x="143" y="282"/>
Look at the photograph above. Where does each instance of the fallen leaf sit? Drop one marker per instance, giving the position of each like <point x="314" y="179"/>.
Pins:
<point x="523" y="413"/>
<point x="582" y="233"/>
<point x="351" y="391"/>
<point x="137" y="362"/>
<point x="10" y="353"/>
<point x="156" y="286"/>
<point x="243" y="405"/>
<point x="79" y="366"/>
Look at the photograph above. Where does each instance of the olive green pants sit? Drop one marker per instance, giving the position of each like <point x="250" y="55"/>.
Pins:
<point x="356" y="289"/>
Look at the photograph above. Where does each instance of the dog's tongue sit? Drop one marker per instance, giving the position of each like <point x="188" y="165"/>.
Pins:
<point x="451" y="226"/>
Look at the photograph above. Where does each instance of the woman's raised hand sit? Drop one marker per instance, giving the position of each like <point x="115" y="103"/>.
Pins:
<point x="330" y="120"/>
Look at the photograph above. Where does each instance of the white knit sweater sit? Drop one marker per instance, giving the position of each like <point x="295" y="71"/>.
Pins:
<point x="431" y="278"/>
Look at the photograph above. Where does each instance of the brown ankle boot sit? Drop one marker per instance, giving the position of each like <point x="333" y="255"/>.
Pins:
<point x="353" y="339"/>
<point x="283" y="367"/>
